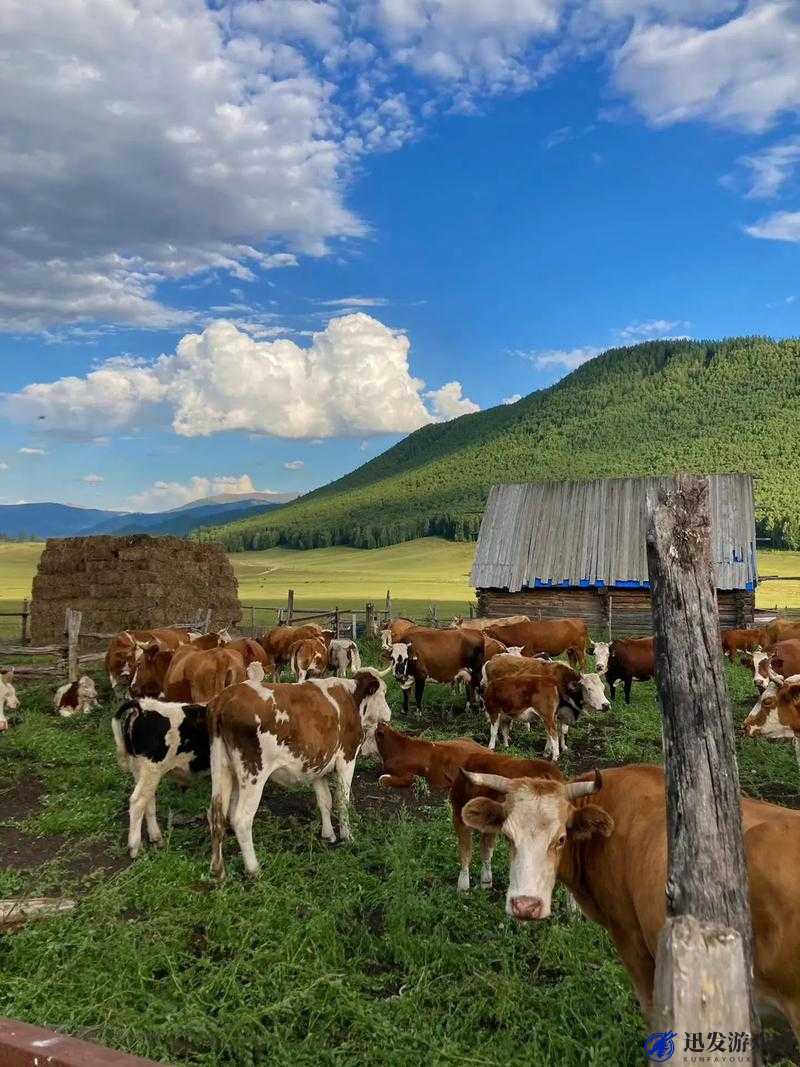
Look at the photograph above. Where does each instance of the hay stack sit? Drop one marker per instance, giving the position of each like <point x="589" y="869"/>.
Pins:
<point x="130" y="582"/>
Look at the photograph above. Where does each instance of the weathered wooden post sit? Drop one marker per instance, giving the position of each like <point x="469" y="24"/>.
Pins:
<point x="336" y="621"/>
<point x="388" y="606"/>
<point x="289" y="607"/>
<point x="434" y="620"/>
<point x="354" y="626"/>
<point x="252" y="620"/>
<point x="704" y="962"/>
<point x="24" y="627"/>
<point x="73" y="629"/>
<point x="370" y="619"/>
<point x="471" y="610"/>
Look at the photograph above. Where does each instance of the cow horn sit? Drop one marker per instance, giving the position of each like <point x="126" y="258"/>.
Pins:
<point x="490" y="781"/>
<point x="383" y="673"/>
<point x="584" y="789"/>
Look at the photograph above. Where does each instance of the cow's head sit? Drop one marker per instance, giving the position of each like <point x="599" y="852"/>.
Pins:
<point x="537" y="816"/>
<point x="8" y="695"/>
<point x="600" y="651"/>
<point x="777" y="711"/>
<point x="403" y="660"/>
<point x="150" y="671"/>
<point x="594" y="693"/>
<point x="370" y="698"/>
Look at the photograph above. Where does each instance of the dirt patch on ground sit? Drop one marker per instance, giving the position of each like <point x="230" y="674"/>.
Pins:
<point x="22" y="851"/>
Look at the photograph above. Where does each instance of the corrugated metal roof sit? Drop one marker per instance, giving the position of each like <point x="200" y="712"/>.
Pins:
<point x="593" y="533"/>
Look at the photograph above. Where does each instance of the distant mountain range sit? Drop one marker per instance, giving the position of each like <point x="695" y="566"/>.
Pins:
<point x="63" y="520"/>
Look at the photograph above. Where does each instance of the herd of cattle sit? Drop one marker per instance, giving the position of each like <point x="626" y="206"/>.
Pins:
<point x="198" y="703"/>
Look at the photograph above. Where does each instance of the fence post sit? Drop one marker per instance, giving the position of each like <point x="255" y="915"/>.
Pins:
<point x="370" y="619"/>
<point x="24" y="626"/>
<point x="289" y="607"/>
<point x="336" y="621"/>
<point x="252" y="620"/>
<point x="434" y="620"/>
<point x="73" y="629"/>
<point x="471" y="610"/>
<point x="706" y="884"/>
<point x="388" y="605"/>
<point x="355" y="627"/>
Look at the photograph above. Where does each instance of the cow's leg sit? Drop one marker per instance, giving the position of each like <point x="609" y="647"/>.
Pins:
<point x="797" y="749"/>
<point x="148" y="775"/>
<point x="250" y="791"/>
<point x="324" y="803"/>
<point x="639" y="964"/>
<point x="628" y="681"/>
<point x="419" y="693"/>
<point x="223" y="784"/>
<point x="153" y="829"/>
<point x="494" y="724"/>
<point x="611" y="686"/>
<point x="397" y="781"/>
<point x="505" y="731"/>
<point x="563" y="727"/>
<point x="406" y="691"/>
<point x="488" y="841"/>
<point x="344" y="780"/>
<point x="464" y="835"/>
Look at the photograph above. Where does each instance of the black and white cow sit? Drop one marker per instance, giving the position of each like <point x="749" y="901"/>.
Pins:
<point x="8" y="696"/>
<point x="154" y="738"/>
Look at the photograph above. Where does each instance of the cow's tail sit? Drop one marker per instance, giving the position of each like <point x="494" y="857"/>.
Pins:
<point x="121" y="727"/>
<point x="222" y="783"/>
<point x="475" y="667"/>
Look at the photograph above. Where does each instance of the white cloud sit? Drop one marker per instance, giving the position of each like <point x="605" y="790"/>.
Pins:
<point x="558" y="137"/>
<point x="567" y="358"/>
<point x="448" y="403"/>
<point x="294" y="465"/>
<point x="512" y="399"/>
<point x="317" y="23"/>
<point x="742" y="72"/>
<point x="3" y="466"/>
<point x="32" y="452"/>
<point x="652" y="328"/>
<point x="352" y="380"/>
<point x="93" y="479"/>
<point x="780" y="226"/>
<point x="161" y="496"/>
<point x="354" y="302"/>
<point x="162" y="142"/>
<point x="770" y="169"/>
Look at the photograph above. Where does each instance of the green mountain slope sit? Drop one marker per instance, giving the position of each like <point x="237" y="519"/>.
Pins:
<point x="653" y="408"/>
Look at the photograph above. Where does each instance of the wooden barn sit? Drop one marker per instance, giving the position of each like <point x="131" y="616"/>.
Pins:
<point x="578" y="549"/>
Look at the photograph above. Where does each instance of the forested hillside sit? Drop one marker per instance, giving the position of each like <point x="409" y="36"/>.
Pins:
<point x="655" y="408"/>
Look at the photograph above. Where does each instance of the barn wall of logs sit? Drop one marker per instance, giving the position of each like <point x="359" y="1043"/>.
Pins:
<point x="622" y="612"/>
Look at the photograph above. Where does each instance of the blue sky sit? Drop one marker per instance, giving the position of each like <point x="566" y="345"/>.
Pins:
<point x="236" y="238"/>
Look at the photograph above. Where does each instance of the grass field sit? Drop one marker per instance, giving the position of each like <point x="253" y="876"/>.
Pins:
<point x="418" y="573"/>
<point x="337" y="956"/>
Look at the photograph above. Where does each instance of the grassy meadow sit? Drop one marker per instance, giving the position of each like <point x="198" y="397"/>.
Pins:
<point x="335" y="952"/>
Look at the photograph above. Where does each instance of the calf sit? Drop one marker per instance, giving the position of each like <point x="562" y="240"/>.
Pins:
<point x="629" y="660"/>
<point x="8" y="696"/>
<point x="196" y="677"/>
<point x="758" y="662"/>
<point x="406" y="758"/>
<point x="466" y="790"/>
<point x="578" y="691"/>
<point x="440" y="655"/>
<point x="521" y="698"/>
<point x="294" y="734"/>
<point x="154" y="738"/>
<point x="553" y="636"/>
<point x="606" y="840"/>
<point x="309" y="658"/>
<point x="600" y="651"/>
<point x="76" y="698"/>
<point x="343" y="656"/>
<point x="743" y="640"/>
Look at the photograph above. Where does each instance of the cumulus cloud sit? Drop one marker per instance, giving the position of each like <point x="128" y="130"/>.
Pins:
<point x="566" y="358"/>
<point x="161" y="496"/>
<point x="512" y="399"/>
<point x="352" y="380"/>
<point x="448" y="403"/>
<point x="741" y="72"/>
<point x="780" y="226"/>
<point x="294" y="465"/>
<point x="92" y="479"/>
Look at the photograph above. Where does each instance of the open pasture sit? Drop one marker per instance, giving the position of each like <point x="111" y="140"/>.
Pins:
<point x="336" y="954"/>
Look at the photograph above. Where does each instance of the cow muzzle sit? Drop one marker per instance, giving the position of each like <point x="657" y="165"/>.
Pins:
<point x="527" y="909"/>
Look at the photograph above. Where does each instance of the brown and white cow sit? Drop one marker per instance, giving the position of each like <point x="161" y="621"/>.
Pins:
<point x="779" y="663"/>
<point x="308" y="658"/>
<point x="464" y="791"/>
<point x="609" y="847"/>
<point x="251" y="652"/>
<point x="777" y="712"/>
<point x="8" y="696"/>
<point x="278" y="642"/>
<point x="600" y="650"/>
<point x="742" y="640"/>
<point x="406" y="758"/>
<point x="196" y="676"/>
<point x="126" y="648"/>
<point x="553" y="636"/>
<point x="76" y="698"/>
<point x="578" y="690"/>
<point x="395" y="631"/>
<point x="438" y="655"/>
<point x="780" y="630"/>
<point x="524" y="697"/>
<point x="631" y="659"/>
<point x="343" y="656"/>
<point x="294" y="734"/>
